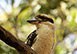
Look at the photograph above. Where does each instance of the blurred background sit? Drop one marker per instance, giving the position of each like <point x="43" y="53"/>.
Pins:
<point x="15" y="13"/>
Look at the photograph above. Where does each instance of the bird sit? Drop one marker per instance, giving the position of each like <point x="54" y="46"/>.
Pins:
<point x="41" y="40"/>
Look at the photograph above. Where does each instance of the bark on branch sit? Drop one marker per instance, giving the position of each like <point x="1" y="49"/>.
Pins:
<point x="9" y="39"/>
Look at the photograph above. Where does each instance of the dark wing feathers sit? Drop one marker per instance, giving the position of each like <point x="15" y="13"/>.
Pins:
<point x="31" y="38"/>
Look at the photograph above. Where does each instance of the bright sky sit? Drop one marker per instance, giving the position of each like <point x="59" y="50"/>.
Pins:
<point x="7" y="6"/>
<point x="3" y="4"/>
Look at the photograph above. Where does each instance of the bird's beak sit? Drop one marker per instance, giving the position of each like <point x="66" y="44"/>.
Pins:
<point x="33" y="21"/>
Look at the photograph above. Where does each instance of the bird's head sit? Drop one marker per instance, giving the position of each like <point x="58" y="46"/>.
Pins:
<point x="41" y="19"/>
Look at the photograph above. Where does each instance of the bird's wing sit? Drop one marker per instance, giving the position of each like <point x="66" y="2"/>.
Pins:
<point x="31" y="38"/>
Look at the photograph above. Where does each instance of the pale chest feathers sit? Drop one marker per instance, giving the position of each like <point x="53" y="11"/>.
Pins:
<point x="45" y="39"/>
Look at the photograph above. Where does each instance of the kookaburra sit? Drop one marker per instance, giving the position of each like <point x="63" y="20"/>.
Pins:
<point x="41" y="40"/>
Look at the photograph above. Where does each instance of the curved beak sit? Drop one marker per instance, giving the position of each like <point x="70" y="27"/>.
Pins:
<point x="33" y="21"/>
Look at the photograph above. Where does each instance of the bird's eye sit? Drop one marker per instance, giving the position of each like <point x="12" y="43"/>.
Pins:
<point x="51" y="20"/>
<point x="44" y="18"/>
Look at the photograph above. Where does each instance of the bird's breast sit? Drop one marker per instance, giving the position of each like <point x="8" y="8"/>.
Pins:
<point x="44" y="42"/>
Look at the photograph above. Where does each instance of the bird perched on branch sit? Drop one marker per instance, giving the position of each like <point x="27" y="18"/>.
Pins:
<point x="42" y="39"/>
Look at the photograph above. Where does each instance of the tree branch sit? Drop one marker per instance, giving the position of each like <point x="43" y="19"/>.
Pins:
<point x="9" y="39"/>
